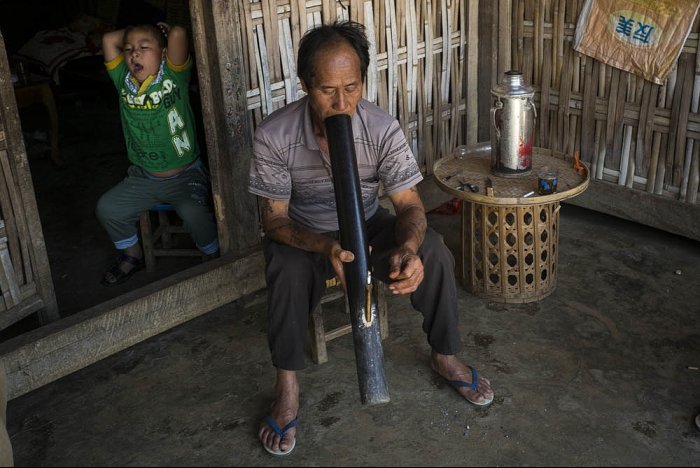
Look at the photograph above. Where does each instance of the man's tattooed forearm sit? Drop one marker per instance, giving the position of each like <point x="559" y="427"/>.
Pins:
<point x="415" y="228"/>
<point x="266" y="206"/>
<point x="297" y="237"/>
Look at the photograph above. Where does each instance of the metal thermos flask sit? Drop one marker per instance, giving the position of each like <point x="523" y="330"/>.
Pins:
<point x="512" y="126"/>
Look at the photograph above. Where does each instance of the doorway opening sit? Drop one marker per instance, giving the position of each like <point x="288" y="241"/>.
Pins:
<point x="91" y="150"/>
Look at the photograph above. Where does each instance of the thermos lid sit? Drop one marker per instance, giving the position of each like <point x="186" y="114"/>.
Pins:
<point x="513" y="85"/>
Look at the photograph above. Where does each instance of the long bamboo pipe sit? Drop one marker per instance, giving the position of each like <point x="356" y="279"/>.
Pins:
<point x="362" y="300"/>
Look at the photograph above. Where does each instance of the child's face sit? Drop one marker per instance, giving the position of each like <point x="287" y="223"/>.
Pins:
<point x="142" y="54"/>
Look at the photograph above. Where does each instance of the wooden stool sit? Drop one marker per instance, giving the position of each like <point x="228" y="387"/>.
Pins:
<point x="159" y="243"/>
<point x="319" y="335"/>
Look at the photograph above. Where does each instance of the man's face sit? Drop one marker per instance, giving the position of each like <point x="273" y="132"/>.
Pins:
<point x="142" y="54"/>
<point x="337" y="82"/>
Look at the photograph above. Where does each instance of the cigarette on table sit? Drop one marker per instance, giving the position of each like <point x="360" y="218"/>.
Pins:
<point x="529" y="194"/>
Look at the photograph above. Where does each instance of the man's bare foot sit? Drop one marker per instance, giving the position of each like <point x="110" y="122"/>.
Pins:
<point x="284" y="412"/>
<point x="460" y="376"/>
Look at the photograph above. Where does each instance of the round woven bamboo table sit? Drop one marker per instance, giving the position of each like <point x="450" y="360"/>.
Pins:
<point x="509" y="237"/>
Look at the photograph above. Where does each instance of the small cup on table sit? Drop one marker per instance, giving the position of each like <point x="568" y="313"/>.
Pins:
<point x="547" y="179"/>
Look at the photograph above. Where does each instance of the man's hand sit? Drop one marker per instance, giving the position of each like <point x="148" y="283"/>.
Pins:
<point x="280" y="228"/>
<point x="337" y="257"/>
<point x="405" y="266"/>
<point x="406" y="269"/>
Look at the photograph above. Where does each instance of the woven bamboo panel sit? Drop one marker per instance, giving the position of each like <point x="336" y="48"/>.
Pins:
<point x="632" y="132"/>
<point x="417" y="69"/>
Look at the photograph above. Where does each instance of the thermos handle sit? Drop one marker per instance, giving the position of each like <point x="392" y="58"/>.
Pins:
<point x="498" y="105"/>
<point x="534" y="109"/>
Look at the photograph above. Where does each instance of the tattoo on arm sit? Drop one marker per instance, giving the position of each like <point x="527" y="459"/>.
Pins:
<point x="280" y="228"/>
<point x="411" y="223"/>
<point x="266" y="206"/>
<point x="412" y="228"/>
<point x="296" y="237"/>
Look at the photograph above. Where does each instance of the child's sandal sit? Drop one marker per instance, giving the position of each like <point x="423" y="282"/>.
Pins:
<point x="116" y="275"/>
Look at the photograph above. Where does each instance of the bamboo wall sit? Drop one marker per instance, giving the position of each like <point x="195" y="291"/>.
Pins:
<point x="633" y="133"/>
<point x="417" y="64"/>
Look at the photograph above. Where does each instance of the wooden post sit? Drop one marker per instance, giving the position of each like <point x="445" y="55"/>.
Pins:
<point x="221" y="69"/>
<point x="5" y="445"/>
<point x="471" y="83"/>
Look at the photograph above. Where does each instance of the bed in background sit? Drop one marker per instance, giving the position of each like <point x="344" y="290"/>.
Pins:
<point x="72" y="51"/>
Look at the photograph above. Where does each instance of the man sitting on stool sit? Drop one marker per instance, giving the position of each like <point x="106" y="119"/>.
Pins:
<point x="291" y="174"/>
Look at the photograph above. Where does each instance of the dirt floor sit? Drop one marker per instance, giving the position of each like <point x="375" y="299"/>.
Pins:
<point x="602" y="372"/>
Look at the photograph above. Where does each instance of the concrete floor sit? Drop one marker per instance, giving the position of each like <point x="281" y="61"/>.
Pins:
<point x="602" y="372"/>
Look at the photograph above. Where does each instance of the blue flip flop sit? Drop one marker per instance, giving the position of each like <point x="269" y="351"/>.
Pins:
<point x="281" y="432"/>
<point x="474" y="387"/>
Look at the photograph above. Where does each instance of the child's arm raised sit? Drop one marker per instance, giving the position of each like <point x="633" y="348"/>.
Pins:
<point x="178" y="47"/>
<point x="112" y="43"/>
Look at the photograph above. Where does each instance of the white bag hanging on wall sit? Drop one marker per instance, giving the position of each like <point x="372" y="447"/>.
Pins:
<point x="638" y="36"/>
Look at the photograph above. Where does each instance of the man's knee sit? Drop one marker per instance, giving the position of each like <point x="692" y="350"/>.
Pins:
<point x="434" y="250"/>
<point x="287" y="264"/>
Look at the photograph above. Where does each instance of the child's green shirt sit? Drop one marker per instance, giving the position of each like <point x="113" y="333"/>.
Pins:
<point x="158" y="122"/>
